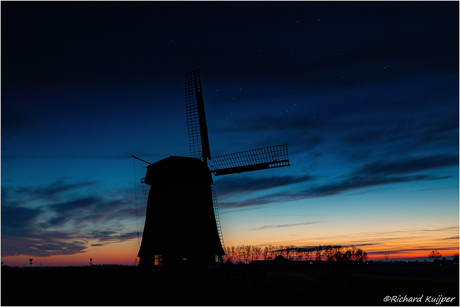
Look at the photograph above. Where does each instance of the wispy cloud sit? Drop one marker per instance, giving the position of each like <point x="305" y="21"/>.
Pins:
<point x="393" y="242"/>
<point x="370" y="175"/>
<point x="284" y="225"/>
<point x="40" y="225"/>
<point x="246" y="184"/>
<point x="408" y="165"/>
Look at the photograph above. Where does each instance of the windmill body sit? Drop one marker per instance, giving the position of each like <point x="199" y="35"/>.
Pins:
<point x="182" y="226"/>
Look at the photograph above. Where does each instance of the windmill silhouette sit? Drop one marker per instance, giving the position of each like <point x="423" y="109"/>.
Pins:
<point x="182" y="225"/>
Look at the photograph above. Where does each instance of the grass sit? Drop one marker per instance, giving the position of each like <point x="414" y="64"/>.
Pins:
<point x="291" y="284"/>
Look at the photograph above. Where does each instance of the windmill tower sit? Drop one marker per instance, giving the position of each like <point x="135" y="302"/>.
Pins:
<point x="182" y="226"/>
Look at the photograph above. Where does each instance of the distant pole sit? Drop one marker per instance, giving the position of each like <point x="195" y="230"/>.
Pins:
<point x="30" y="260"/>
<point x="90" y="261"/>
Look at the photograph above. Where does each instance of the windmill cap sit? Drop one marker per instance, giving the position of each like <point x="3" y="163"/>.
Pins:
<point x="177" y="169"/>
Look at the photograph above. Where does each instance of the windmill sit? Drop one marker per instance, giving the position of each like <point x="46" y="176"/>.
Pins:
<point x="182" y="225"/>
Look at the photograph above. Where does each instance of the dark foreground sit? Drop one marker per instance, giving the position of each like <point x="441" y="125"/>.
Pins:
<point x="292" y="284"/>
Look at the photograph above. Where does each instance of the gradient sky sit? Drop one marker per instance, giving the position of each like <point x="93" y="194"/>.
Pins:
<point x="366" y="94"/>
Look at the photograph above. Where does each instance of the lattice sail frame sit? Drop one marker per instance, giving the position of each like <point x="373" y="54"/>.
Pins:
<point x="196" y="119"/>
<point x="251" y="160"/>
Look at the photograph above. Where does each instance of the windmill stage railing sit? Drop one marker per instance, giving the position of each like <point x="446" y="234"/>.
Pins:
<point x="251" y="160"/>
<point x="216" y="215"/>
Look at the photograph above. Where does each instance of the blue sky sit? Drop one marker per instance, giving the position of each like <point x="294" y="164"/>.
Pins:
<point x="365" y="94"/>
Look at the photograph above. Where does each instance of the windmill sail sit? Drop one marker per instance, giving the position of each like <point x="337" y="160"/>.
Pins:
<point x="196" y="120"/>
<point x="182" y="225"/>
<point x="251" y="160"/>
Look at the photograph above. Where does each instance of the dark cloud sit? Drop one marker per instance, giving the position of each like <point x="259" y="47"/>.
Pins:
<point x="67" y="208"/>
<point x="23" y="195"/>
<point x="59" y="186"/>
<point x="57" y="221"/>
<point x="41" y="247"/>
<point x="350" y="184"/>
<point x="354" y="183"/>
<point x="400" y="251"/>
<point x="17" y="217"/>
<point x="370" y="175"/>
<point x="247" y="184"/>
<point x="260" y="201"/>
<point x="283" y="225"/>
<point x="408" y="165"/>
<point x="227" y="207"/>
<point x="312" y="248"/>
<point x="67" y="156"/>
<point x="451" y="238"/>
<point x="30" y="226"/>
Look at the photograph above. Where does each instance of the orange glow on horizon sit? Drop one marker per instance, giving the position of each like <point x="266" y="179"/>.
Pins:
<point x="125" y="253"/>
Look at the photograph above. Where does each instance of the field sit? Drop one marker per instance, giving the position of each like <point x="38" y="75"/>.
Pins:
<point x="255" y="284"/>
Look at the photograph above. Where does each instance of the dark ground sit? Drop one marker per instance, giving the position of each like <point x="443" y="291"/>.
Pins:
<point x="286" y="284"/>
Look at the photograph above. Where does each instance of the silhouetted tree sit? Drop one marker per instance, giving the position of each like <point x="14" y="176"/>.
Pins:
<point x="257" y="251"/>
<point x="299" y="254"/>
<point x="265" y="252"/>
<point x="318" y="252"/>
<point x="247" y="252"/>
<point x="336" y="254"/>
<point x="435" y="254"/>
<point x="289" y="250"/>
<point x="361" y="255"/>
<point x="328" y="254"/>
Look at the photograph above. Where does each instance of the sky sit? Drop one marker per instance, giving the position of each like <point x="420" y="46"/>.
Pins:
<point x="365" y="94"/>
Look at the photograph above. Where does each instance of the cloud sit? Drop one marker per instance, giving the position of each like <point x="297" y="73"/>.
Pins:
<point x="41" y="243"/>
<point x="261" y="200"/>
<point x="228" y="209"/>
<point x="354" y="183"/>
<point x="369" y="175"/>
<point x="59" y="186"/>
<point x="450" y="238"/>
<point x="14" y="218"/>
<point x="283" y="225"/>
<point x="23" y="195"/>
<point x="247" y="184"/>
<point x="408" y="165"/>
<point x="120" y="156"/>
<point x="34" y="223"/>
<point x="67" y="208"/>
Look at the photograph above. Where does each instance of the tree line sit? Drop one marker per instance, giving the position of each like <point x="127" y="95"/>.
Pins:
<point x="248" y="253"/>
